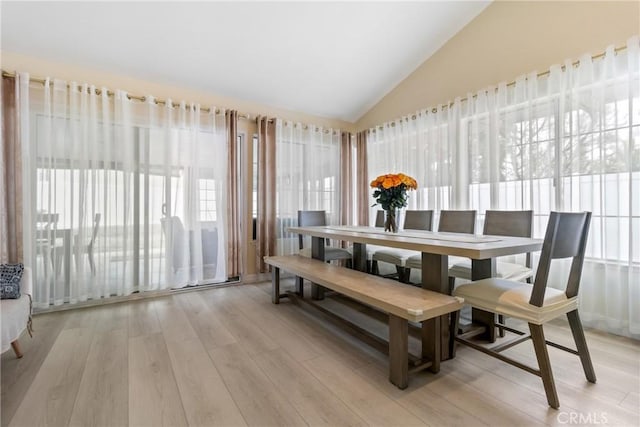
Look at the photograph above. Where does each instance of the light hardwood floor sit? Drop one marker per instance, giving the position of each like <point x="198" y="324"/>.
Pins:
<point x="229" y="357"/>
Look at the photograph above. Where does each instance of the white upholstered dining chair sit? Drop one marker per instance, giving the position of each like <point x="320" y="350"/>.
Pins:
<point x="502" y="223"/>
<point x="537" y="303"/>
<point x="413" y="220"/>
<point x="331" y="253"/>
<point x="451" y="221"/>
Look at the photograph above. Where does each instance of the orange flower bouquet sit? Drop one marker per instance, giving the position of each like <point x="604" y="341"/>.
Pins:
<point x="391" y="194"/>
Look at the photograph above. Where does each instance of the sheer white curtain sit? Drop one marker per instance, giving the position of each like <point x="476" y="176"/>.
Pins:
<point x="599" y="171"/>
<point x="307" y="177"/>
<point x="119" y="196"/>
<point x="568" y="141"/>
<point x="423" y="146"/>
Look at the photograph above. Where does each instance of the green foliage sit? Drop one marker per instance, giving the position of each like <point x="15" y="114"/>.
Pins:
<point x="391" y="198"/>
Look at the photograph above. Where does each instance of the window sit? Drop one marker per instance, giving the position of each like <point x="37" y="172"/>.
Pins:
<point x="208" y="200"/>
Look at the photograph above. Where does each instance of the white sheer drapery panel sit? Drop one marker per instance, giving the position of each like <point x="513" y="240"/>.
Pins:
<point x="80" y="167"/>
<point x="567" y="141"/>
<point x="187" y="167"/>
<point x="126" y="171"/>
<point x="307" y="177"/>
<point x="509" y="134"/>
<point x="599" y="171"/>
<point x="424" y="148"/>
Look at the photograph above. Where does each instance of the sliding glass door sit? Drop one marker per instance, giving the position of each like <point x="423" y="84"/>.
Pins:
<point x="120" y="196"/>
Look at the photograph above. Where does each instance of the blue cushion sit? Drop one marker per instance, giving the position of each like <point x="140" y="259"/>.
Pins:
<point x="10" y="276"/>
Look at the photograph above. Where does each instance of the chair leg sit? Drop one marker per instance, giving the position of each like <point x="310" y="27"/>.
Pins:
<point x="16" y="349"/>
<point x="581" y="345"/>
<point x="500" y="328"/>
<point x="452" y="284"/>
<point x="407" y="275"/>
<point x="453" y="331"/>
<point x="374" y="267"/>
<point x="92" y="263"/>
<point x="544" y="364"/>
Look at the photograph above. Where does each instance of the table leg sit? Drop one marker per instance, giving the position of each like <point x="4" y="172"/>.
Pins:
<point x="482" y="269"/>
<point x="435" y="277"/>
<point x="317" y="252"/>
<point x="360" y="257"/>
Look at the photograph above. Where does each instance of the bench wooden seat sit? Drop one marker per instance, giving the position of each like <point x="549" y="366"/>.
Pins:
<point x="403" y="303"/>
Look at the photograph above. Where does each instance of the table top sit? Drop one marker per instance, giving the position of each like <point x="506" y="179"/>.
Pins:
<point x="458" y="244"/>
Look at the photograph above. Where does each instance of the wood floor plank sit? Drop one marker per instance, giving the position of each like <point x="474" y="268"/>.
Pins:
<point x="245" y="332"/>
<point x="259" y="400"/>
<point x="143" y="319"/>
<point x="612" y="383"/>
<point x="585" y="397"/>
<point x="155" y="396"/>
<point x="229" y="356"/>
<point x="103" y="396"/>
<point x="525" y="400"/>
<point x="18" y="374"/>
<point x="279" y="331"/>
<point x="205" y="398"/>
<point x="367" y="401"/>
<point x="205" y="321"/>
<point x="52" y="394"/>
<point x="620" y="360"/>
<point x="326" y="337"/>
<point x="313" y="400"/>
<point x="631" y="402"/>
<point x="428" y="405"/>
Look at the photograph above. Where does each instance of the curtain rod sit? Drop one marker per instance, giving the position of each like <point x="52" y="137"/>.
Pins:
<point x="129" y="96"/>
<point x="512" y="83"/>
<point x="163" y="102"/>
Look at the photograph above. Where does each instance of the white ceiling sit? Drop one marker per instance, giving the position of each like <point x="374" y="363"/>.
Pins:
<point x="334" y="60"/>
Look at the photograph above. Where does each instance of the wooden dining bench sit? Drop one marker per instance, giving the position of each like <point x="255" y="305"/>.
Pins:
<point x="403" y="303"/>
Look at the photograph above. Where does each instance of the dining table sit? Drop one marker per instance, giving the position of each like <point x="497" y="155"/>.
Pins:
<point x="435" y="247"/>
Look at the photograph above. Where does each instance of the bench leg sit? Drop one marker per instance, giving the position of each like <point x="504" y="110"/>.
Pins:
<point x="432" y="342"/>
<point x="275" y="285"/>
<point x="398" y="351"/>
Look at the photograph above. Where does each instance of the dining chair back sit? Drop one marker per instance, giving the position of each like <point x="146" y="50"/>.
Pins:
<point x="379" y="219"/>
<point x="319" y="218"/>
<point x="331" y="253"/>
<point x="413" y="220"/>
<point x="455" y="221"/>
<point x="501" y="223"/>
<point x="418" y="220"/>
<point x="310" y="219"/>
<point x="451" y="221"/>
<point x="566" y="237"/>
<point x="537" y="304"/>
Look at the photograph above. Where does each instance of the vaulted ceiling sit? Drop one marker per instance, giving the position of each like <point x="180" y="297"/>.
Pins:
<point x="330" y="59"/>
